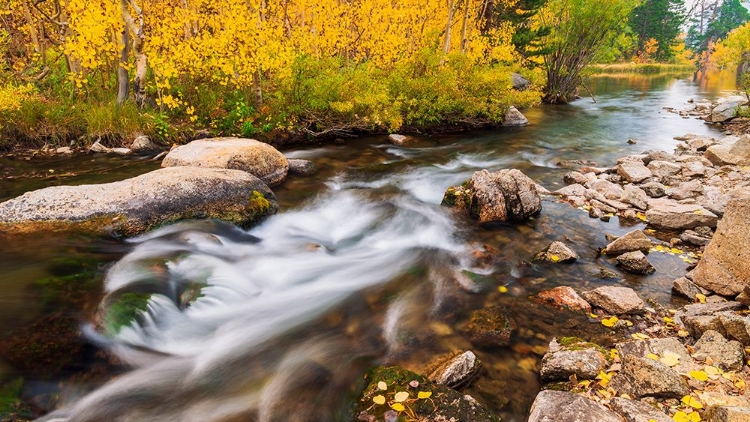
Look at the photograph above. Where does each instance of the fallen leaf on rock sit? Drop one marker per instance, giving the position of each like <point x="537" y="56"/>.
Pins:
<point x="670" y="359"/>
<point x="610" y="322"/>
<point x="692" y="402"/>
<point x="379" y="399"/>
<point x="699" y="375"/>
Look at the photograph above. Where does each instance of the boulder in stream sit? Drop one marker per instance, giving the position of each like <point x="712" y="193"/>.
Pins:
<point x="563" y="406"/>
<point x="257" y="158"/>
<point x="633" y="241"/>
<point x="557" y="252"/>
<point x="505" y="195"/>
<point x="133" y="206"/>
<point x="457" y="370"/>
<point x="563" y="297"/>
<point x="635" y="262"/>
<point x="615" y="300"/>
<point x="513" y="117"/>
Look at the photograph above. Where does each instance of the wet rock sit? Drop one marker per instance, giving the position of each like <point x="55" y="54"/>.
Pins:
<point x="574" y="177"/>
<point x="637" y="411"/>
<point x="608" y="189"/>
<point x="635" y="262"/>
<point x="301" y="167"/>
<point x="633" y="171"/>
<point x="490" y="327"/>
<point x="691" y="189"/>
<point x="143" y="143"/>
<point x="687" y="288"/>
<point x="557" y="252"/>
<point x="633" y="241"/>
<point x="663" y="169"/>
<point x="701" y="144"/>
<point x="727" y="355"/>
<point x="563" y="297"/>
<point x="572" y="190"/>
<point x="576" y="357"/>
<point x="725" y="265"/>
<point x="562" y="406"/>
<point x="669" y="214"/>
<point x="635" y="196"/>
<point x="606" y="274"/>
<point x="728" y="414"/>
<point x="97" y="147"/>
<point x="654" y="189"/>
<point x="644" y="377"/>
<point x="695" y="309"/>
<point x="615" y="300"/>
<point x="506" y="195"/>
<point x="64" y="150"/>
<point x="737" y="153"/>
<point x="261" y="160"/>
<point x="456" y="371"/>
<point x="697" y="325"/>
<point x="518" y="82"/>
<point x="402" y="140"/>
<point x="445" y="404"/>
<point x="513" y="117"/>
<point x="736" y="327"/>
<point x="693" y="238"/>
<point x="135" y="205"/>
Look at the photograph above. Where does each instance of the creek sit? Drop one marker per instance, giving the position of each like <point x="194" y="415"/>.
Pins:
<point x="280" y="322"/>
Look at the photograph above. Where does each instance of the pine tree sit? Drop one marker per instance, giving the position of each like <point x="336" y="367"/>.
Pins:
<point x="658" y="20"/>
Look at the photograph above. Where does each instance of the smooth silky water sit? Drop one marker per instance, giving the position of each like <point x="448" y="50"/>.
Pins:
<point x="279" y="323"/>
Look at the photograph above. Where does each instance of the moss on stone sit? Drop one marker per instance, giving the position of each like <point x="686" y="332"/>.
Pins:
<point x="122" y="311"/>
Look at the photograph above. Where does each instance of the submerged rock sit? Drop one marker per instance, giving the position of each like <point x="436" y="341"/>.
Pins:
<point x="633" y="241"/>
<point x="490" y="327"/>
<point x="401" y="140"/>
<point x="571" y="356"/>
<point x="441" y="404"/>
<point x="135" y="205"/>
<point x="725" y="265"/>
<point x="505" y="195"/>
<point x="615" y="300"/>
<point x="301" y="167"/>
<point x="635" y="262"/>
<point x="557" y="252"/>
<point x="562" y="406"/>
<point x="257" y="158"/>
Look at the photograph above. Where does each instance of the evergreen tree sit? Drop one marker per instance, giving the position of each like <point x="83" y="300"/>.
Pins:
<point x="527" y="41"/>
<point x="713" y="21"/>
<point x="659" y="20"/>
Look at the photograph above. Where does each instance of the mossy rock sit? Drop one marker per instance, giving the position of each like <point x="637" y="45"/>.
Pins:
<point x="490" y="327"/>
<point x="443" y="403"/>
<point x="122" y="310"/>
<point x="74" y="284"/>
<point x="12" y="408"/>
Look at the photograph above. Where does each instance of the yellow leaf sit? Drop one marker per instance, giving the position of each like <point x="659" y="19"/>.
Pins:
<point x="652" y="356"/>
<point x="639" y="336"/>
<point x="701" y="297"/>
<point x="502" y="289"/>
<point x="401" y="396"/>
<point x="379" y="399"/>
<point x="692" y="402"/>
<point x="681" y="416"/>
<point x="382" y="386"/>
<point x="554" y="258"/>
<point x="595" y="316"/>
<point x="610" y="322"/>
<point x="398" y="407"/>
<point x="699" y="375"/>
<point x="670" y="359"/>
<point x="584" y="383"/>
<point x="683" y="333"/>
<point x="603" y="378"/>
<point x="424" y="394"/>
<point x="740" y="383"/>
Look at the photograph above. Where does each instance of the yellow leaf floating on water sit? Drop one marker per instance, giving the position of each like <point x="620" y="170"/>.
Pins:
<point x="640" y="336"/>
<point x="424" y="394"/>
<point x="692" y="402"/>
<point x="502" y="289"/>
<point x="701" y="297"/>
<point x="699" y="375"/>
<point x="379" y="399"/>
<point x="610" y="322"/>
<point x="398" y="407"/>
<point x="401" y="396"/>
<point x="382" y="386"/>
<point x="670" y="359"/>
<point x="685" y="417"/>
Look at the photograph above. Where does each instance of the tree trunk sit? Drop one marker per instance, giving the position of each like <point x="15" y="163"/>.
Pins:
<point x="464" y="28"/>
<point x="32" y="27"/>
<point x="257" y="90"/>
<point x="139" y="41"/>
<point x="123" y="78"/>
<point x="448" y="25"/>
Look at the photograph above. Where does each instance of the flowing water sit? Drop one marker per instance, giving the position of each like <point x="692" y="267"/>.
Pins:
<point x="362" y="267"/>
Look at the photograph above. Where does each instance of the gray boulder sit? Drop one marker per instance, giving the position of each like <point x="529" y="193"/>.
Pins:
<point x="637" y="411"/>
<point x="727" y="109"/>
<point x="644" y="377"/>
<point x="518" y="82"/>
<point x="143" y="143"/>
<point x="135" y="205"/>
<point x="457" y="371"/>
<point x="615" y="300"/>
<point x="633" y="241"/>
<point x="582" y="359"/>
<point x="402" y="140"/>
<point x="635" y="262"/>
<point x="634" y="171"/>
<point x="513" y="117"/>
<point x="562" y="406"/>
<point x="669" y="214"/>
<point x="725" y="265"/>
<point x="557" y="252"/>
<point x="261" y="160"/>
<point x="301" y="167"/>
<point x="635" y="196"/>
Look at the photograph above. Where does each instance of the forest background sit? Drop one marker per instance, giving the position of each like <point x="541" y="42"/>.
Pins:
<point x="74" y="71"/>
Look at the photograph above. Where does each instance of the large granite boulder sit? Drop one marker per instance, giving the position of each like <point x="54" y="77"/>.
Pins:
<point x="671" y="215"/>
<point x="261" y="160"/>
<point x="562" y="406"/>
<point x="505" y="195"/>
<point x="513" y="117"/>
<point x="736" y="153"/>
<point x="633" y="241"/>
<point x="726" y="109"/>
<point x="725" y="265"/>
<point x="135" y="205"/>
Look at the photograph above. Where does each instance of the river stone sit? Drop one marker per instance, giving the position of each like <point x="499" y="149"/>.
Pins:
<point x="143" y="143"/>
<point x="693" y="169"/>
<point x="557" y="252"/>
<point x="64" y="150"/>
<point x="633" y="241"/>
<point x="654" y="189"/>
<point x="637" y="411"/>
<point x="658" y="156"/>
<point x="457" y="370"/>
<point x="635" y="262"/>
<point x="692" y="238"/>
<point x="635" y="196"/>
<point x="445" y="404"/>
<point x="261" y="160"/>
<point x="574" y="177"/>
<point x="513" y="117"/>
<point x="634" y="171"/>
<point x="725" y="265"/>
<point x="563" y="297"/>
<point x="728" y="414"/>
<point x="663" y="169"/>
<point x="608" y="189"/>
<point x="615" y="300"/>
<point x="645" y="377"/>
<point x="301" y="167"/>
<point x="505" y="195"/>
<point x="671" y="215"/>
<point x="735" y="326"/>
<point x="582" y="359"/>
<point x="563" y="406"/>
<point x="727" y="355"/>
<point x="737" y="153"/>
<point x="572" y="190"/>
<point x="490" y="327"/>
<point x="402" y="140"/>
<point x="687" y="288"/>
<point x="699" y="324"/>
<point x="135" y="205"/>
<point x="686" y="190"/>
<point x="726" y="110"/>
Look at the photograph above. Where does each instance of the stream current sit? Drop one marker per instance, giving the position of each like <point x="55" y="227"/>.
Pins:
<point x="361" y="267"/>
